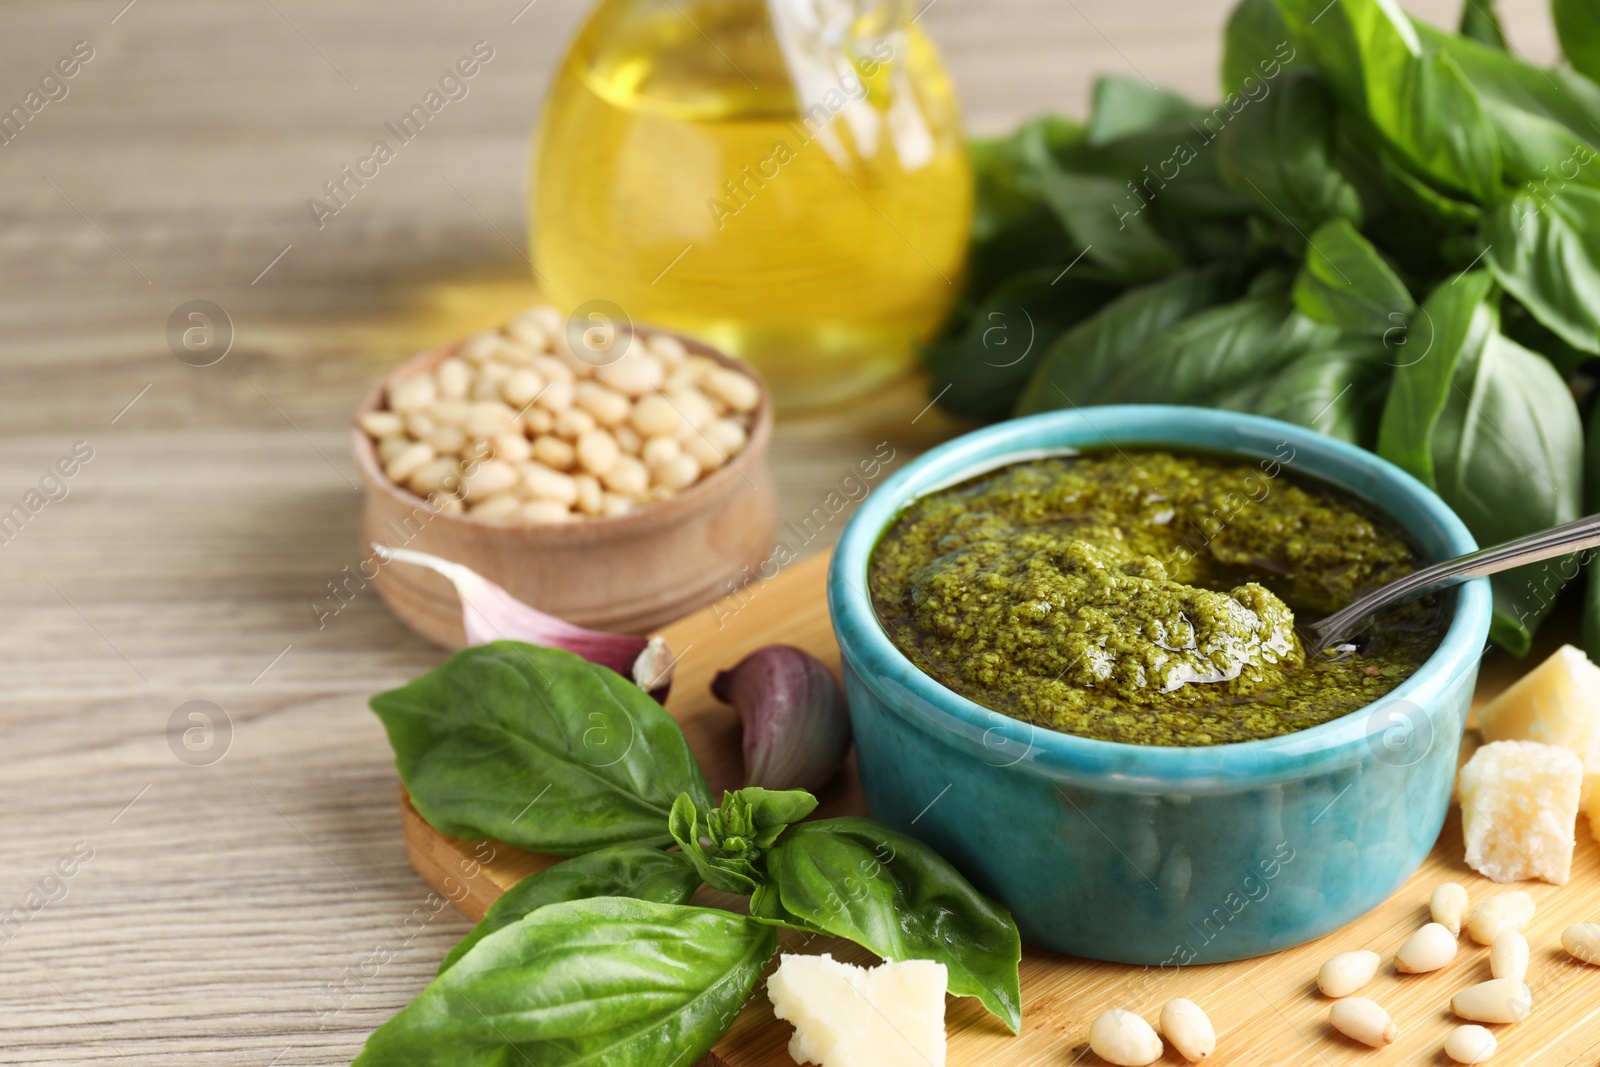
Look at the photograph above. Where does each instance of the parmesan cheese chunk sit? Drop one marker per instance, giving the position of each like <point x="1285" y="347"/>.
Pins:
<point x="1556" y="703"/>
<point x="1519" y="806"/>
<point x="891" y="1015"/>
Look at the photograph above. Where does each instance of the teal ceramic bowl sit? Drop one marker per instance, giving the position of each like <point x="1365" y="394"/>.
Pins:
<point x="1150" y="855"/>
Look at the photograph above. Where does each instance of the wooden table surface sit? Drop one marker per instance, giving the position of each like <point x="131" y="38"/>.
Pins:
<point x="257" y="908"/>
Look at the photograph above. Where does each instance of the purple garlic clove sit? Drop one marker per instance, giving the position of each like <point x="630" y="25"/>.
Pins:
<point x="796" y="725"/>
<point x="489" y="613"/>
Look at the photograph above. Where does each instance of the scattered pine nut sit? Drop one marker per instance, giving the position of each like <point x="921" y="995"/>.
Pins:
<point x="1363" y="1020"/>
<point x="1582" y="942"/>
<point x="1508" y="956"/>
<point x="1428" y="949"/>
<point x="1470" y="1044"/>
<point x="1188" y="1029"/>
<point x="1505" y="911"/>
<point x="1499" y="1000"/>
<point x="1347" y="972"/>
<point x="1448" y="906"/>
<point x="1122" y="1038"/>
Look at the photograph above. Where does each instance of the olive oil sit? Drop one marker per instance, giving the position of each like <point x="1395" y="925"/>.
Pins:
<point x="705" y="166"/>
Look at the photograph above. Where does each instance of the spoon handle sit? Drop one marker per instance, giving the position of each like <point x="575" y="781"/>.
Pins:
<point x="1546" y="544"/>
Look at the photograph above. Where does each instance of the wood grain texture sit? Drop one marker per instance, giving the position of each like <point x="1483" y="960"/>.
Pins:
<point x="1266" y="1011"/>
<point x="260" y="910"/>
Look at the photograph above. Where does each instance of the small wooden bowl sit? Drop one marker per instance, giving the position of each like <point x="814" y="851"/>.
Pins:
<point x="629" y="573"/>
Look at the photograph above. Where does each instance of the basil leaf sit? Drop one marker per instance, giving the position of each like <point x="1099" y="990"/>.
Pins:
<point x="636" y="871"/>
<point x="1090" y="353"/>
<point x="1455" y="320"/>
<point x="726" y="845"/>
<point x="898" y="898"/>
<point x="1279" y="154"/>
<point x="1578" y="30"/>
<point x="1119" y="107"/>
<point x="979" y="371"/>
<point x="1544" y="248"/>
<point x="538" y="748"/>
<point x="1480" y="21"/>
<point x="1337" y="391"/>
<point x="1422" y="104"/>
<point x="1537" y="149"/>
<point x="1346" y="283"/>
<point x="1211" y="353"/>
<point x="1106" y="220"/>
<point x="1255" y="45"/>
<point x="607" y="982"/>
<point x="1557" y="93"/>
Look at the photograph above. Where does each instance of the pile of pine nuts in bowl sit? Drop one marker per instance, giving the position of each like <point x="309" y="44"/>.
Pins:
<point x="521" y="426"/>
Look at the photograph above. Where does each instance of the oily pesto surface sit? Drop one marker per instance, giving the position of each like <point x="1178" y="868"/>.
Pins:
<point x="1147" y="597"/>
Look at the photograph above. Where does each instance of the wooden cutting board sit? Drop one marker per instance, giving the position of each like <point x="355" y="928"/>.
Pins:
<point x="1266" y="1010"/>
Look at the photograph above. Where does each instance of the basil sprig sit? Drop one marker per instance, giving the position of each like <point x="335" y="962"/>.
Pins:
<point x="895" y="896"/>
<point x="608" y="981"/>
<point x="599" y="961"/>
<point x="539" y="748"/>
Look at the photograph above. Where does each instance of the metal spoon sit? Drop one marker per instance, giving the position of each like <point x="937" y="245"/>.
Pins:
<point x="1556" y="541"/>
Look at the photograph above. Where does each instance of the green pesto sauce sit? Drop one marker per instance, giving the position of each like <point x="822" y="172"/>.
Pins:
<point x="1147" y="597"/>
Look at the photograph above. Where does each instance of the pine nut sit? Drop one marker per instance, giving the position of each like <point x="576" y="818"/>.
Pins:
<point x="489" y="417"/>
<point x="727" y="436"/>
<point x="667" y="348"/>
<point x="512" y="447"/>
<point x="557" y="396"/>
<point x="1448" y="906"/>
<point x="705" y="452"/>
<point x="1469" y="1044"/>
<point x="659" y="450"/>
<point x="499" y="506"/>
<point x="407" y="462"/>
<point x="480" y="346"/>
<point x="452" y="378"/>
<point x="654" y="416"/>
<point x="411" y="395"/>
<point x="381" y="423"/>
<point x="1363" y="1020"/>
<point x="1582" y="942"/>
<point x="694" y="407"/>
<point x="420" y="424"/>
<point x="1508" y="956"/>
<point x="544" y="511"/>
<point x="677" y="473"/>
<point x="434" y="475"/>
<point x="1122" y="1038"/>
<point x="573" y="423"/>
<point x="1188" y="1029"/>
<point x="446" y="440"/>
<point x="738" y="391"/>
<point x="608" y="408"/>
<point x="597" y="452"/>
<point x="1499" y="1000"/>
<point x="551" y="369"/>
<point x="448" y="411"/>
<point x="529" y="333"/>
<point x="485" y="388"/>
<point x="537" y="421"/>
<point x="590" y="496"/>
<point x="488" y="478"/>
<point x="391" y="447"/>
<point x="613" y="504"/>
<point x="553" y="452"/>
<point x="628" y="476"/>
<point x="627" y="440"/>
<point x="1347" y="972"/>
<point x="543" y="483"/>
<point x="1428" y="949"/>
<point x="521" y="388"/>
<point x="1506" y="911"/>
<point x="634" y="374"/>
<point x="516" y="353"/>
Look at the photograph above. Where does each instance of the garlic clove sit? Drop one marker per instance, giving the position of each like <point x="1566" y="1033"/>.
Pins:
<point x="796" y="725"/>
<point x="489" y="613"/>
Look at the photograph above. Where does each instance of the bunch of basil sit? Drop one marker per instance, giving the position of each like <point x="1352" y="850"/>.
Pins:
<point x="1385" y="231"/>
<point x="600" y="960"/>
